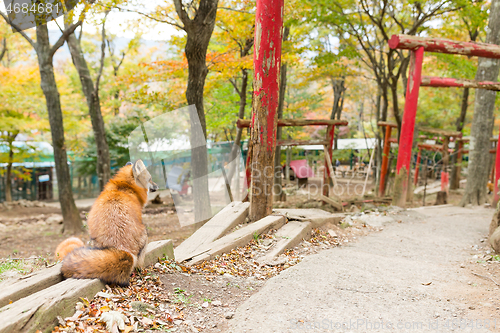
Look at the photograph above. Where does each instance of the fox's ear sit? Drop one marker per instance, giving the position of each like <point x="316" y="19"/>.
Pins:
<point x="138" y="168"/>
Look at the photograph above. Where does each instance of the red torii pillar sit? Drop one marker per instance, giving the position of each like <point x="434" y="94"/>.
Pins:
<point x="417" y="45"/>
<point x="267" y="64"/>
<point x="407" y="127"/>
<point x="497" y="173"/>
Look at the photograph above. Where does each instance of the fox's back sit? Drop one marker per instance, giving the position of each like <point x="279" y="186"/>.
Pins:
<point x="115" y="219"/>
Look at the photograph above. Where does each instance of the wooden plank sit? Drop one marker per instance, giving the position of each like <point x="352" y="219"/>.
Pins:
<point x="386" y="123"/>
<point x="237" y="238"/>
<point x="317" y="217"/>
<point x="40" y="310"/>
<point x="427" y="146"/>
<point x="16" y="289"/>
<point x="242" y="123"/>
<point x="442" y="45"/>
<point x="301" y="142"/>
<point x="335" y="204"/>
<point x="228" y="218"/>
<point x="439" y="131"/>
<point x="287" y="237"/>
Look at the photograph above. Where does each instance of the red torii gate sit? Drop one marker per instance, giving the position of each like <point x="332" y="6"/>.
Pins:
<point x="417" y="46"/>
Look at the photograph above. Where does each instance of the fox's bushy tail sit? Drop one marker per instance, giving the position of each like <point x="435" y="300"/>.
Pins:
<point x="66" y="246"/>
<point x="111" y="266"/>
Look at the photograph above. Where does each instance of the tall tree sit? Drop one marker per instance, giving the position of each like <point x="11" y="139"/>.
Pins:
<point x="487" y="70"/>
<point x="198" y="23"/>
<point x="91" y="92"/>
<point x="45" y="55"/>
<point x="472" y="19"/>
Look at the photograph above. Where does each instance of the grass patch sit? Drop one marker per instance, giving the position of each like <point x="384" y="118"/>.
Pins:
<point x="9" y="265"/>
<point x="23" y="266"/>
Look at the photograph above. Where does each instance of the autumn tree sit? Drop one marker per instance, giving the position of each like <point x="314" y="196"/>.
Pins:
<point x="45" y="56"/>
<point x="484" y="104"/>
<point x="367" y="26"/>
<point x="19" y="115"/>
<point x="90" y="89"/>
<point x="231" y="47"/>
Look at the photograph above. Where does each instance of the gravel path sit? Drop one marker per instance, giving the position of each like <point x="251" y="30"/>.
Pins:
<point x="414" y="276"/>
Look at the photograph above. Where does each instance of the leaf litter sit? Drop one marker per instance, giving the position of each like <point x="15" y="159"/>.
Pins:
<point x="173" y="297"/>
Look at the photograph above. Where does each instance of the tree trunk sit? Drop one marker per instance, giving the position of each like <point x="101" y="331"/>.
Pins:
<point x="72" y="221"/>
<point x="277" y="188"/>
<point x="379" y="133"/>
<point x="395" y="105"/>
<point x="487" y="70"/>
<point x="455" y="171"/>
<point x="242" y="92"/>
<point x="338" y="89"/>
<point x="91" y="93"/>
<point x="199" y="30"/>
<point x="8" y="174"/>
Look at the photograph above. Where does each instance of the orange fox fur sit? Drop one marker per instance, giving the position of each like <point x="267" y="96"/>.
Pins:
<point x="116" y="230"/>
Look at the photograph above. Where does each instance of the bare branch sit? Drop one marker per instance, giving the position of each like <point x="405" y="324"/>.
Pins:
<point x="145" y="15"/>
<point x="236" y="10"/>
<point x="62" y="39"/>
<point x="103" y="52"/>
<point x="183" y="16"/>
<point x="15" y="26"/>
<point x="233" y="82"/>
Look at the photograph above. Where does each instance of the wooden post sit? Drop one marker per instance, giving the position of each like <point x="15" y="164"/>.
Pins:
<point x="417" y="167"/>
<point x="267" y="64"/>
<point x="497" y="173"/>
<point x="446" y="161"/>
<point x="330" y="133"/>
<point x="459" y="160"/>
<point x="385" y="160"/>
<point x="407" y="128"/>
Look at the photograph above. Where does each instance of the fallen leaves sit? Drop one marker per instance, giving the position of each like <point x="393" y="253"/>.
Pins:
<point x="147" y="304"/>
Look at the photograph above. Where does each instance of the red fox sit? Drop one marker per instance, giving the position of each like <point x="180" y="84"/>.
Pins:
<point x="116" y="230"/>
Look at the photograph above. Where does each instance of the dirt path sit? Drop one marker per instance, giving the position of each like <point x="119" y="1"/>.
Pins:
<point x="414" y="276"/>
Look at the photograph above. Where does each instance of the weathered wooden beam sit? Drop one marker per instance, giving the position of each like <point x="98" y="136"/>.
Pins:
<point x="428" y="146"/>
<point x="39" y="311"/>
<point x="335" y="204"/>
<point x="243" y="123"/>
<point x="301" y="142"/>
<point x="442" y="45"/>
<point x="438" y="131"/>
<point x="445" y="82"/>
<point x="317" y="217"/>
<point x="386" y="123"/>
<point x="16" y="289"/>
<point x="267" y="65"/>
<point x="237" y="238"/>
<point x="229" y="217"/>
<point x="288" y="236"/>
